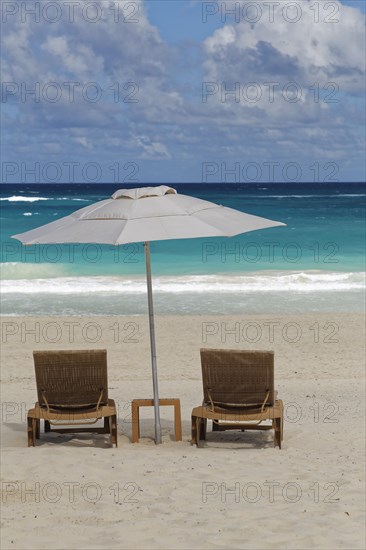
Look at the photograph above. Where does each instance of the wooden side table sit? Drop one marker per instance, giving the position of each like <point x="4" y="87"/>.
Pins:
<point x="137" y="403"/>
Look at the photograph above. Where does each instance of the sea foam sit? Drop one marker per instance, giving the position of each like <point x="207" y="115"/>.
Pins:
<point x="281" y="282"/>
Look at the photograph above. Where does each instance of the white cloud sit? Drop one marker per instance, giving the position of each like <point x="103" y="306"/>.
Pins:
<point x="306" y="50"/>
<point x="83" y="141"/>
<point x="324" y="60"/>
<point x="151" y="149"/>
<point x="112" y="52"/>
<point x="169" y="121"/>
<point x="77" y="59"/>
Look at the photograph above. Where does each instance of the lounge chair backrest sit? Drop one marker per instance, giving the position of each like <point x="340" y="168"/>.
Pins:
<point x="237" y="378"/>
<point x="71" y="379"/>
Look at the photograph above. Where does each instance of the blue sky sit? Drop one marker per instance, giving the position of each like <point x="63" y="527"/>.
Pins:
<point x="183" y="91"/>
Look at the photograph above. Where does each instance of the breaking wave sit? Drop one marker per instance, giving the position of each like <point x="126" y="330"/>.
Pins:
<point x="284" y="282"/>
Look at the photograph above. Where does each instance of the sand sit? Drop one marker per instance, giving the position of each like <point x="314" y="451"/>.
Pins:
<point x="236" y="492"/>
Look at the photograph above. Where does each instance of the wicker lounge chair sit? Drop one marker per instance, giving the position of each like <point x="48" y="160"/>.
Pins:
<point x="238" y="389"/>
<point x="72" y="389"/>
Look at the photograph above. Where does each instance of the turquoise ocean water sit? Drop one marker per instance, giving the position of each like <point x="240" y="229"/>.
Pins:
<point x="316" y="263"/>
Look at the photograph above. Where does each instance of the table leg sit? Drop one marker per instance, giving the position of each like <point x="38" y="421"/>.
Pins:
<point x="177" y="421"/>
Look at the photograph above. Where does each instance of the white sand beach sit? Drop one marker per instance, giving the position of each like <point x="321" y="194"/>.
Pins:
<point x="238" y="491"/>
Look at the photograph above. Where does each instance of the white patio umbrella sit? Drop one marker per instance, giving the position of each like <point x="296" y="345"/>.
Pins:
<point x="142" y="215"/>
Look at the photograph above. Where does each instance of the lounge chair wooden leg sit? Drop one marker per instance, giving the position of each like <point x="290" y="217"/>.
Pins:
<point x="277" y="433"/>
<point x="31" y="432"/>
<point x="281" y="419"/>
<point x="113" y="425"/>
<point x="193" y="430"/>
<point x="38" y="428"/>
<point x="107" y="425"/>
<point x="275" y="436"/>
<point x="34" y="430"/>
<point x="135" y="422"/>
<point x="200" y="429"/>
<point x="203" y="429"/>
<point x="47" y="426"/>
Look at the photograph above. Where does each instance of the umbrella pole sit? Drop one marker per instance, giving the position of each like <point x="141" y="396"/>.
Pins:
<point x="152" y="345"/>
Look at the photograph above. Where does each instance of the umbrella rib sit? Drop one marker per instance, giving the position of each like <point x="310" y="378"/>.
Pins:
<point x="142" y="217"/>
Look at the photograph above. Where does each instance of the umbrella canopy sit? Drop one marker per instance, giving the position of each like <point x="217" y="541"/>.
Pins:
<point x="142" y="215"/>
<point x="148" y="213"/>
